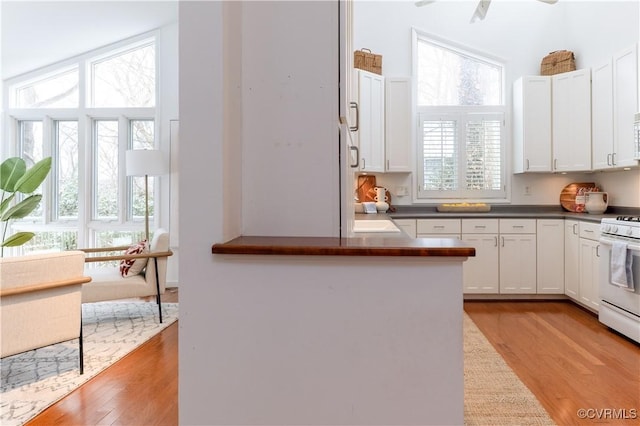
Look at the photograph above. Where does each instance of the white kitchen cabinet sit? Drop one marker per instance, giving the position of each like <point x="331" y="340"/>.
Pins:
<point x="589" y="265"/>
<point x="572" y="259"/>
<point x="481" y="274"/>
<point x="407" y="225"/>
<point x="571" y="120"/>
<point x="398" y="124"/>
<point x="625" y="105"/>
<point x="517" y="256"/>
<point x="614" y="103"/>
<point x="532" y="124"/>
<point x="370" y="133"/>
<point x="550" y="256"/>
<point x="438" y="228"/>
<point x="602" y="115"/>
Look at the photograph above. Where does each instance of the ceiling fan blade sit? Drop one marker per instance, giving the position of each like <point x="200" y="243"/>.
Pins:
<point x="549" y="1"/>
<point x="481" y="10"/>
<point x="420" y="3"/>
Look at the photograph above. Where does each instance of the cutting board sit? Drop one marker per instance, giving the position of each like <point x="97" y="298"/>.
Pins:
<point x="569" y="192"/>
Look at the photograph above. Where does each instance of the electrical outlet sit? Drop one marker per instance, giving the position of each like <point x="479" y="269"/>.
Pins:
<point x="527" y="190"/>
<point x="402" y="191"/>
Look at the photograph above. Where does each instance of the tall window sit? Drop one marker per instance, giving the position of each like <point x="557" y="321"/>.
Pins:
<point x="461" y="122"/>
<point x="85" y="113"/>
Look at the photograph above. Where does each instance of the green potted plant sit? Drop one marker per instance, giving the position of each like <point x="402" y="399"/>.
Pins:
<point x="16" y="178"/>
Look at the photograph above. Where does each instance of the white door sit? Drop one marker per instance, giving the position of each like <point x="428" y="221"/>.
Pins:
<point x="571" y="259"/>
<point x="518" y="263"/>
<point x="602" y="115"/>
<point x="550" y="256"/>
<point x="481" y="273"/>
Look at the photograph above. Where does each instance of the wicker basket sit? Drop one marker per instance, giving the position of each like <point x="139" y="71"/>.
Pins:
<point x="365" y="60"/>
<point x="558" y="62"/>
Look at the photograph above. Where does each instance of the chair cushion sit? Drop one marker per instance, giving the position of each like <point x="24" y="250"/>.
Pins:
<point x="131" y="267"/>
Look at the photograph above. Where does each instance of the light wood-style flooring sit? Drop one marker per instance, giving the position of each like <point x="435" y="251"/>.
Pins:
<point x="561" y="352"/>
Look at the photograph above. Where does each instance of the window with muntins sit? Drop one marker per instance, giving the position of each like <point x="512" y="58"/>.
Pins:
<point x="86" y="113"/>
<point x="461" y="122"/>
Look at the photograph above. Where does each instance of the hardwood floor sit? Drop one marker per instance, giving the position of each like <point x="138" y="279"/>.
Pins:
<point x="561" y="352"/>
<point x="568" y="359"/>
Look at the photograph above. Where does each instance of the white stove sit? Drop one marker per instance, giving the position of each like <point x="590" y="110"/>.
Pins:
<point x="620" y="255"/>
<point x="621" y="226"/>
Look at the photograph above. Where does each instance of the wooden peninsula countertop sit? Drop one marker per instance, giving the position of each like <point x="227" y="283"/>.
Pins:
<point x="330" y="246"/>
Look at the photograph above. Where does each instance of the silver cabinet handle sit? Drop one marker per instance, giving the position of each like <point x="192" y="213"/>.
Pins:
<point x="613" y="159"/>
<point x="502" y="241"/>
<point x="598" y="250"/>
<point x="555" y="164"/>
<point x="527" y="164"/>
<point x="575" y="226"/>
<point x="364" y="163"/>
<point x="479" y="226"/>
<point x="354" y="105"/>
<point x="609" y="160"/>
<point x="495" y="244"/>
<point x="355" y="148"/>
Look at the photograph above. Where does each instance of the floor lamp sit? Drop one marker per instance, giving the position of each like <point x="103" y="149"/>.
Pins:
<point x="145" y="162"/>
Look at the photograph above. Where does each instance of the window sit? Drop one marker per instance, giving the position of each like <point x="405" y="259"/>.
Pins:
<point x="88" y="199"/>
<point x="461" y="117"/>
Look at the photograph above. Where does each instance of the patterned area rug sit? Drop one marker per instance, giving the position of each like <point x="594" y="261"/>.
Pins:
<point x="34" y="380"/>
<point x="493" y="394"/>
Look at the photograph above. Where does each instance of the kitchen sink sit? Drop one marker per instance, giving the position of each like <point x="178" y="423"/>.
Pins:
<point x="379" y="225"/>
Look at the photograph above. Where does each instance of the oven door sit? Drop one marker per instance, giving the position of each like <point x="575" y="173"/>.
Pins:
<point x="612" y="294"/>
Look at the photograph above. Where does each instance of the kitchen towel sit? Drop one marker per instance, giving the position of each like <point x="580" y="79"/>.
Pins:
<point x="621" y="263"/>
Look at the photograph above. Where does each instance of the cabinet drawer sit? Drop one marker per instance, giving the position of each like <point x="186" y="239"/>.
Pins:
<point x="438" y="226"/>
<point x="479" y="226"/>
<point x="517" y="226"/>
<point x="590" y="231"/>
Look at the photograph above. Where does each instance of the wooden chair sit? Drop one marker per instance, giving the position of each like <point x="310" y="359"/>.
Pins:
<point x="108" y="284"/>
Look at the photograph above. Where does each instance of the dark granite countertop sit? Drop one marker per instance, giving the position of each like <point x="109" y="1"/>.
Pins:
<point x="510" y="212"/>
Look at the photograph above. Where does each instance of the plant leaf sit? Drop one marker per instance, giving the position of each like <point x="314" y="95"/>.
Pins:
<point x="11" y="170"/>
<point x="22" y="209"/>
<point x="17" y="239"/>
<point x="5" y="204"/>
<point x="32" y="179"/>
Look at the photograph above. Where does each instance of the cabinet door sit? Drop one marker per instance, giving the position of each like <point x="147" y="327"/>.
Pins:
<point x="571" y="259"/>
<point x="518" y="263"/>
<point x="398" y="125"/>
<point x="550" y="256"/>
<point x="571" y="106"/>
<point x="481" y="273"/>
<point x="625" y="105"/>
<point x="371" y="133"/>
<point x="407" y="225"/>
<point x="589" y="273"/>
<point x="532" y="124"/>
<point x="602" y="115"/>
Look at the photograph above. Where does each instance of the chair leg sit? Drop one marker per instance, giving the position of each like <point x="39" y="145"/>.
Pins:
<point x="155" y="260"/>
<point x="81" y="345"/>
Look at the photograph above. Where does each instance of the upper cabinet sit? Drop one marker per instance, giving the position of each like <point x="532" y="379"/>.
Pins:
<point x="370" y="134"/>
<point x="615" y="101"/>
<point x="398" y="124"/>
<point x="384" y="123"/>
<point x="532" y="124"/>
<point x="571" y="121"/>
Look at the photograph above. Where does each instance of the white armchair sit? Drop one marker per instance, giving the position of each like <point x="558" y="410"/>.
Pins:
<point x="108" y="284"/>
<point x="40" y="301"/>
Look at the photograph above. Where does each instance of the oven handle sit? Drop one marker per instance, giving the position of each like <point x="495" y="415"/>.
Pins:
<point x="609" y="242"/>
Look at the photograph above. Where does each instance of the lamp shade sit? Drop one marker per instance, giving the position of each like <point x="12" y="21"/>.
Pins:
<point x="141" y="162"/>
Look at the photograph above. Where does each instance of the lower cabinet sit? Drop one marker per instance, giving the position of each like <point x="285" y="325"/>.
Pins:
<point x="589" y="265"/>
<point x="481" y="274"/>
<point x="572" y="259"/>
<point x="518" y="256"/>
<point x="550" y="256"/>
<point x="407" y="225"/>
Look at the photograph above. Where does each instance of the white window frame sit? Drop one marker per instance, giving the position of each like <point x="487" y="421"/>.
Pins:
<point x="85" y="225"/>
<point x="421" y="196"/>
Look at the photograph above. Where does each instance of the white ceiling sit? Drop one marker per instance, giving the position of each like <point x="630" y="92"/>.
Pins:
<point x="38" y="33"/>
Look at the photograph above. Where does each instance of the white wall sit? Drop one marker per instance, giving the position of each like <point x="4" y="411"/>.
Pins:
<point x="258" y="149"/>
<point x="521" y="33"/>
